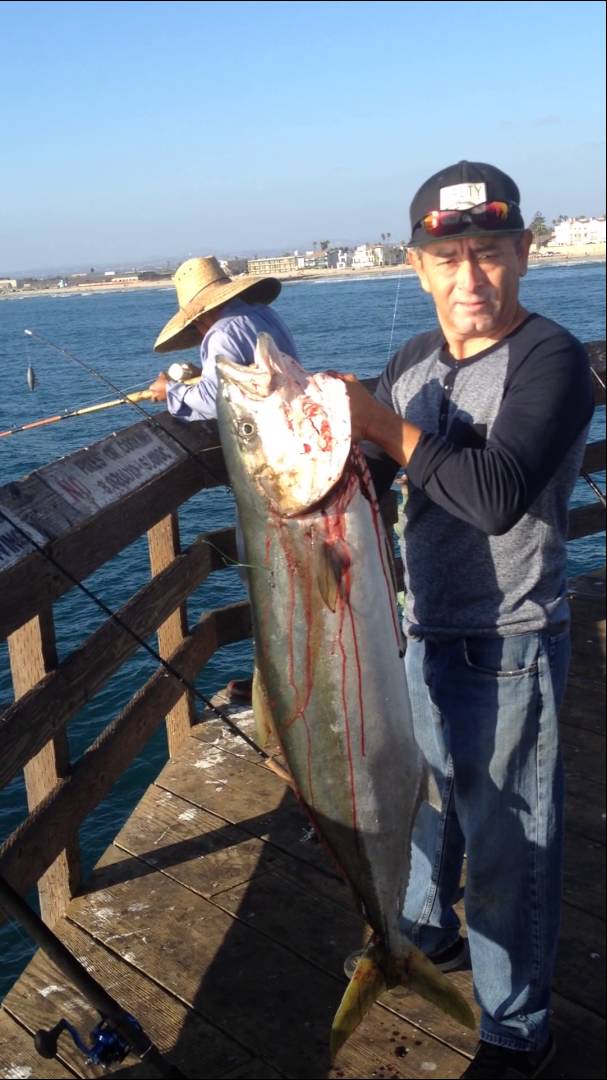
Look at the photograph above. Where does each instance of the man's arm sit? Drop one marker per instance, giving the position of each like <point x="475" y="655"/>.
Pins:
<point x="544" y="410"/>
<point x="376" y="423"/>
<point x="198" y="402"/>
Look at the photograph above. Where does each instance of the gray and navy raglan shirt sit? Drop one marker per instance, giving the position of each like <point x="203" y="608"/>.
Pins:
<point x="490" y="479"/>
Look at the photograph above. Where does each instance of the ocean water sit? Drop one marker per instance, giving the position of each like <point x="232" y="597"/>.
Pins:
<point x="349" y="325"/>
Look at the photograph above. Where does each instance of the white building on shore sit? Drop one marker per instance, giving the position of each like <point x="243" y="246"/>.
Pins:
<point x="574" y="231"/>
<point x="367" y="255"/>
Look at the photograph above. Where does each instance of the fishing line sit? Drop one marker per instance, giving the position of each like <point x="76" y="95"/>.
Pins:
<point x="394" y="318"/>
<point x="166" y="664"/>
<point x="591" y="484"/>
<point x="149" y="419"/>
<point x="598" y="378"/>
<point x="227" y="559"/>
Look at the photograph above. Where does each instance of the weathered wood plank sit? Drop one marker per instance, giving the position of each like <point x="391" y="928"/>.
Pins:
<point x="580" y="1042"/>
<point x="38" y="841"/>
<point x="18" y="1057"/>
<point x="585" y="808"/>
<point x="193" y="847"/>
<point x="583" y="754"/>
<point x="101" y="535"/>
<point x="271" y="1000"/>
<point x="586" y="521"/>
<point x="28" y="724"/>
<point x="254" y="1070"/>
<point x="212" y="732"/>
<point x="580" y="967"/>
<point x="32" y="501"/>
<point x="594" y="457"/>
<point x="32" y="654"/>
<point x="258" y="800"/>
<point x="319" y="875"/>
<point x="43" y="994"/>
<point x="242" y="875"/>
<point x="584" y="874"/>
<point x="164" y="548"/>
<point x="584" y="705"/>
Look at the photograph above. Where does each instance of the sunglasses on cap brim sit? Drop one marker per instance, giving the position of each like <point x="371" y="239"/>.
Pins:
<point x="491" y="216"/>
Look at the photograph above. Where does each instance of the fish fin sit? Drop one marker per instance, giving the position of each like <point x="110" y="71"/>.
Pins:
<point x="334" y="561"/>
<point x="377" y="971"/>
<point x="419" y="974"/>
<point x="264" y="722"/>
<point x="365" y="986"/>
<point x="430" y="791"/>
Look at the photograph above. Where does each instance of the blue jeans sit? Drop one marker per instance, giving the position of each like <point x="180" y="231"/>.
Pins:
<point x="485" y="716"/>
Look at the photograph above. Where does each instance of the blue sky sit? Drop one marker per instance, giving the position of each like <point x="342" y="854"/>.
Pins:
<point x="131" y="131"/>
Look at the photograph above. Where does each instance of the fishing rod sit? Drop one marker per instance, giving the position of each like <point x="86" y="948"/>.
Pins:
<point x="117" y="1033"/>
<point x="140" y="395"/>
<point x="127" y="398"/>
<point x="594" y="488"/>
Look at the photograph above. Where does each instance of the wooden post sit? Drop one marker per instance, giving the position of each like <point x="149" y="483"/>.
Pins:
<point x="163" y="542"/>
<point x="32" y="655"/>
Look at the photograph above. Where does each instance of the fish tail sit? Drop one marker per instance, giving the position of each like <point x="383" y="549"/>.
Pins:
<point x="378" y="971"/>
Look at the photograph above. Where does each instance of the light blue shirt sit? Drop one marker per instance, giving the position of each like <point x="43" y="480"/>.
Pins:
<point x="233" y="335"/>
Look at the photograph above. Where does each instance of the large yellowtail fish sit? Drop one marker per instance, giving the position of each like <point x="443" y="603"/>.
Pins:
<point x="329" y="667"/>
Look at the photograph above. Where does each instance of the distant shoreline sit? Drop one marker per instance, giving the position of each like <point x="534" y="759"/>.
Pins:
<point x="399" y="270"/>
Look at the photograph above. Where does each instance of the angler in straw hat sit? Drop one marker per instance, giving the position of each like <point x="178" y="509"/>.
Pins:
<point x="222" y="316"/>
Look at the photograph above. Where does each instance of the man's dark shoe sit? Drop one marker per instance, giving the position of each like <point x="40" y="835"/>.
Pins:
<point x="496" y="1063"/>
<point x="455" y="957"/>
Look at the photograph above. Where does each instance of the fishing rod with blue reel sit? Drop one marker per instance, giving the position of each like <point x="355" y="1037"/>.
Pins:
<point x="116" y="1034"/>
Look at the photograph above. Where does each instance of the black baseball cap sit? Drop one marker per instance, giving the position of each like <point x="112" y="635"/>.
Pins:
<point x="482" y="200"/>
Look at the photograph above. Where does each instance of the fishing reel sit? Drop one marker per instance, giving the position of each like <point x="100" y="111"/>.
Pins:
<point x="107" y="1047"/>
<point x="179" y="372"/>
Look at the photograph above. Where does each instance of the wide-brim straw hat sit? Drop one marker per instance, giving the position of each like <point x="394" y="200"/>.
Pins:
<point x="202" y="286"/>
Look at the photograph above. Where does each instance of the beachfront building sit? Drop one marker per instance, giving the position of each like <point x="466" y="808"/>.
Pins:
<point x="235" y="264"/>
<point x="343" y="258"/>
<point x="274" y="264"/>
<point x="363" y="257"/>
<point x="574" y="231"/>
<point x="7" y="284"/>
<point x="368" y="255"/>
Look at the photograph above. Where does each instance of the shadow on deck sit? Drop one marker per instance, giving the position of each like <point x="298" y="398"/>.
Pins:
<point x="217" y="919"/>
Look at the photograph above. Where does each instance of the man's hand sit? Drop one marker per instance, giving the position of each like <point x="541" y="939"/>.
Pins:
<point x="158" y="388"/>
<point x="376" y="423"/>
<point x="362" y="406"/>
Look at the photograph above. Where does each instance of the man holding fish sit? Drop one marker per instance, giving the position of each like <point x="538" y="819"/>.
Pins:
<point x="488" y="414"/>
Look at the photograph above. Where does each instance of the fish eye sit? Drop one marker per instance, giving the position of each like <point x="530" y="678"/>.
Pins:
<point x="246" y="429"/>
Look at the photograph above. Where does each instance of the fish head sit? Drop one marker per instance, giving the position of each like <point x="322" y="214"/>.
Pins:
<point x="288" y="432"/>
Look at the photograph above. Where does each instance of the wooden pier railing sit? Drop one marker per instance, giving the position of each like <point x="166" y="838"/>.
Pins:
<point x="83" y="510"/>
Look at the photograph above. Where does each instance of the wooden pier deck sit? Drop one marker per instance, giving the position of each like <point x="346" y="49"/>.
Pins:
<point x="218" y="920"/>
